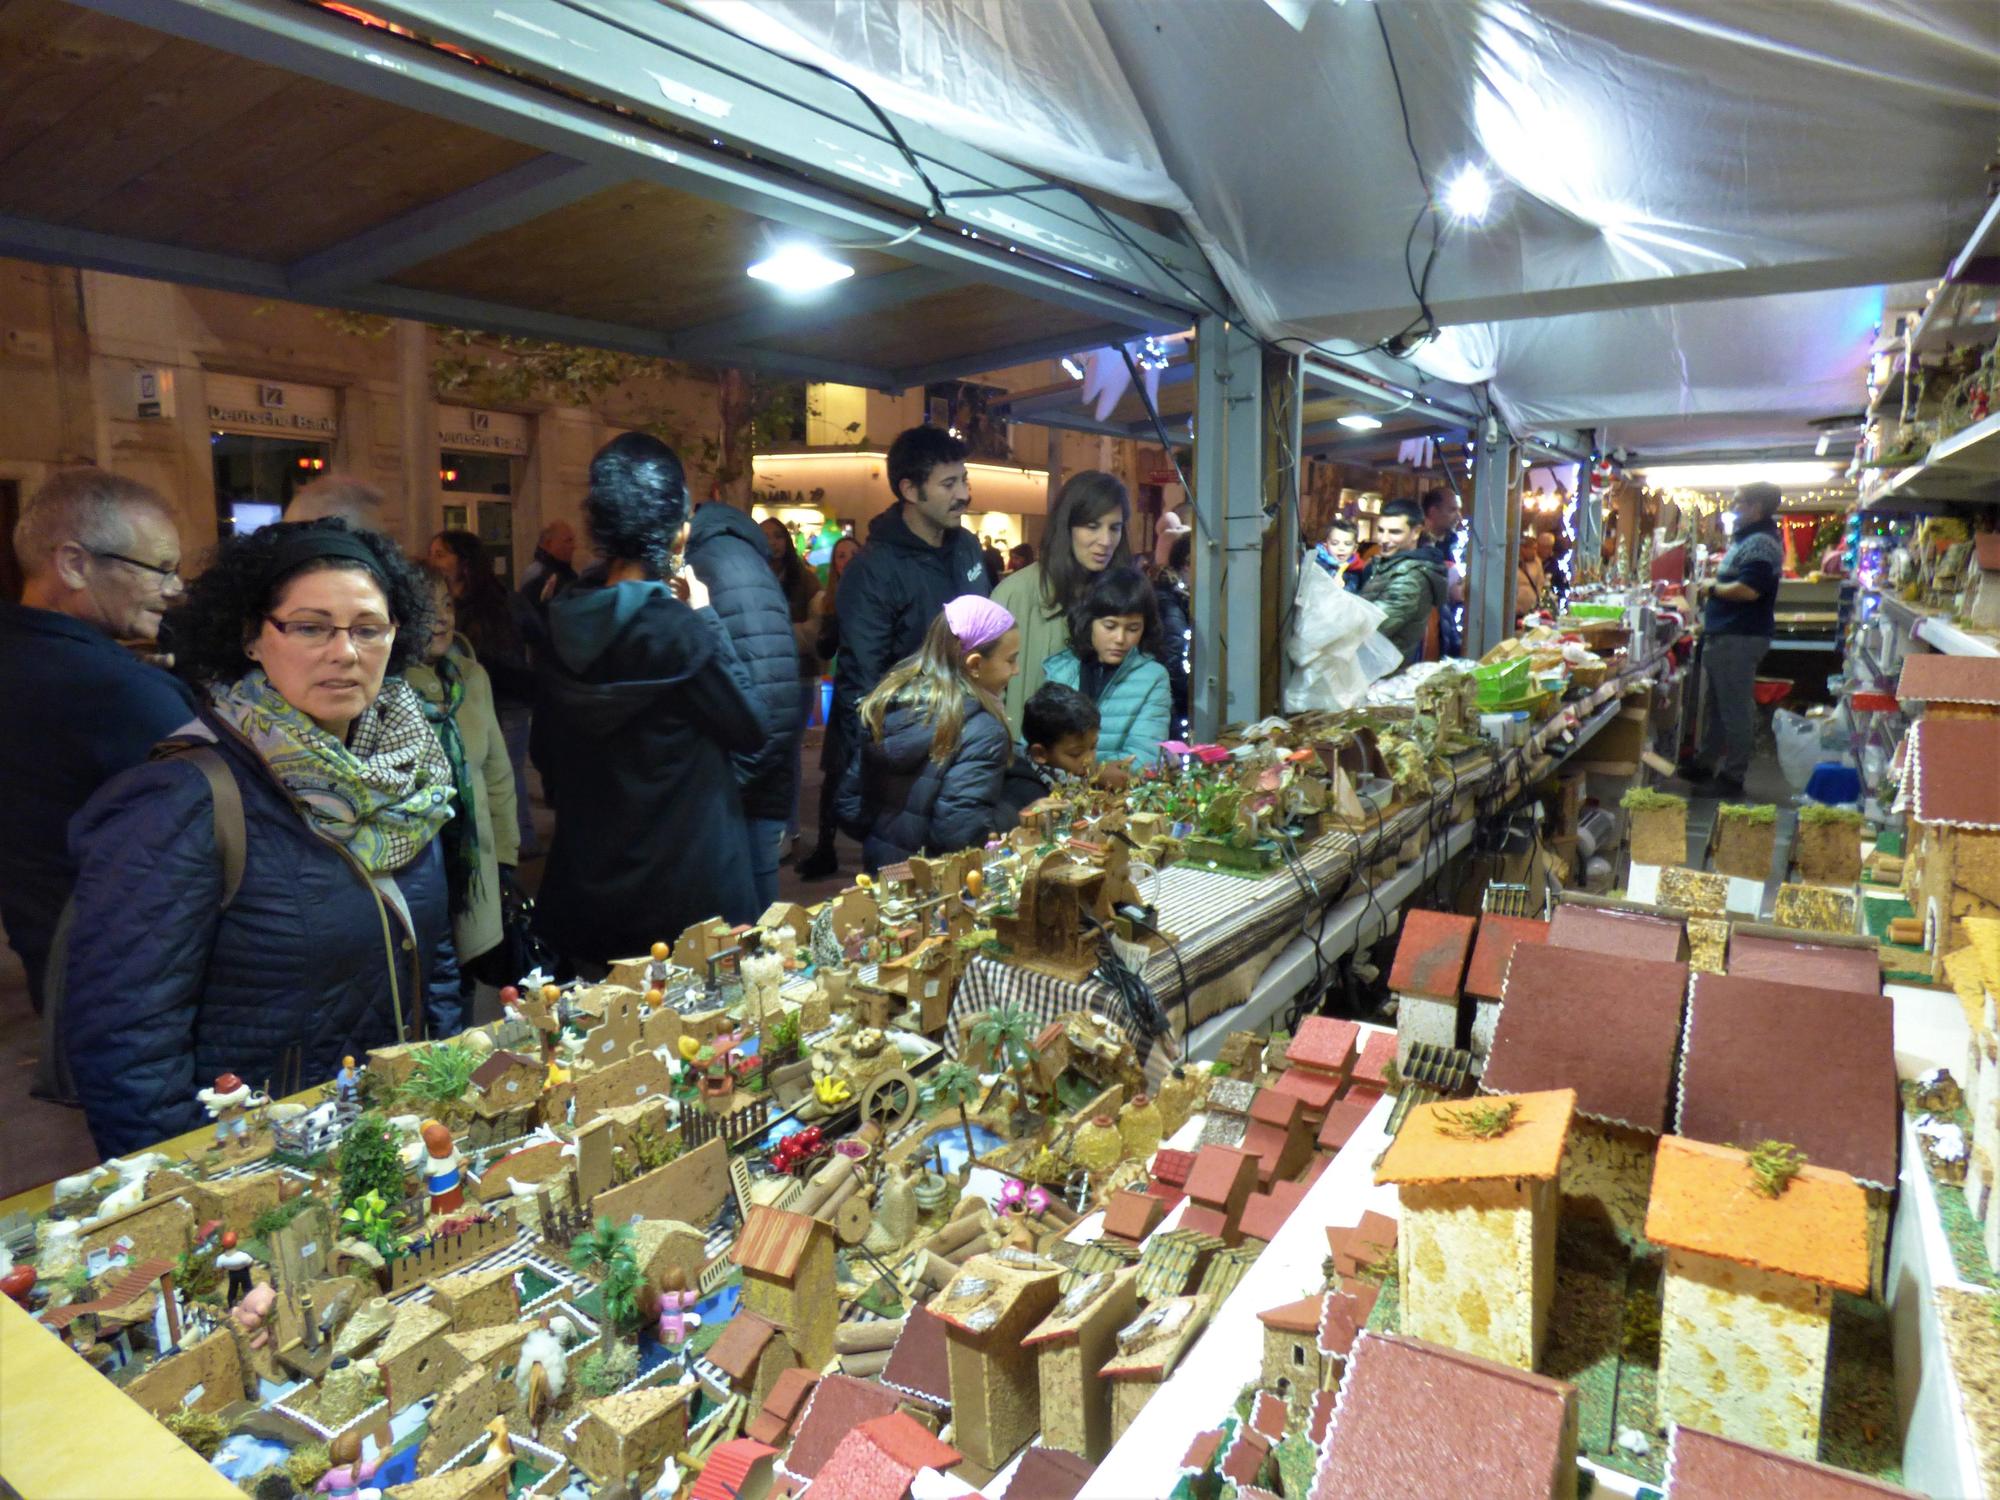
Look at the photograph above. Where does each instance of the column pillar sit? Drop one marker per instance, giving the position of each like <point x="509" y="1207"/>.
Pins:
<point x="1493" y="549"/>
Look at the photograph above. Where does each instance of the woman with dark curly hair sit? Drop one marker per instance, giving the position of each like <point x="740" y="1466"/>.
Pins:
<point x="311" y="780"/>
<point x="641" y="708"/>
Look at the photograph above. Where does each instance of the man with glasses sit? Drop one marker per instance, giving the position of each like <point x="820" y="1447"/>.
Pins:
<point x="101" y="560"/>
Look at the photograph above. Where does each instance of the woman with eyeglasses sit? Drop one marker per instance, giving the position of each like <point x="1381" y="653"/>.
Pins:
<point x="338" y="937"/>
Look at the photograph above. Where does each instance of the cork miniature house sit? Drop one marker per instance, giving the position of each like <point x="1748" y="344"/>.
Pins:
<point x="1476" y="1247"/>
<point x="1427" y="979"/>
<point x="1563" y="1022"/>
<point x="632" y="1432"/>
<point x="995" y="1391"/>
<point x="1307" y="1342"/>
<point x="1953" y="868"/>
<point x="1500" y="936"/>
<point x="1218" y="1187"/>
<point x="1148" y="1350"/>
<point x="1949" y="687"/>
<point x="1415" y="1419"/>
<point x="1749" y="1291"/>
<point x="787" y="1262"/>
<point x="1319" y="1057"/>
<point x="1071" y="1345"/>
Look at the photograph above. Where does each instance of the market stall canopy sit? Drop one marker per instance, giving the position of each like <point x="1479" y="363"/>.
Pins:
<point x="1696" y="205"/>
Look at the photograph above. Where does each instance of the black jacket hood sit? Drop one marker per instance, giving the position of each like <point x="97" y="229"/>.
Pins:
<point x="717" y="519"/>
<point x="619" y="650"/>
<point x="959" y="545"/>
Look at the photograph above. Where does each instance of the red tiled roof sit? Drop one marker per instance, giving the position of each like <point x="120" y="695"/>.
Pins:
<point x="1324" y="1042"/>
<point x="1617" y="933"/>
<point x="1205" y="1220"/>
<point x="1265" y="1213"/>
<point x="1363" y="1244"/>
<point x="1702" y="1466"/>
<point x="1951" y="771"/>
<point x="1320" y="1417"/>
<point x="1342" y="1316"/>
<point x="1049" y="1474"/>
<point x="1301" y="1316"/>
<point x="918" y="1364"/>
<point x="1344" y="1119"/>
<point x="1318" y="1090"/>
<point x="130" y="1287"/>
<point x="1431" y="954"/>
<point x="910" y="1443"/>
<point x="1245" y="1458"/>
<point x="773" y="1241"/>
<point x="1275" y="1107"/>
<point x="839" y="1404"/>
<point x="742" y="1344"/>
<point x="1376" y="1055"/>
<point x="773" y="1424"/>
<point x="1498" y="937"/>
<point x="1267" y="1143"/>
<point x="1172" y="1166"/>
<point x="1267" y="1415"/>
<point x="1218" y="1173"/>
<point x="1201" y="1452"/>
<point x="729" y="1465"/>
<point x="1936" y="677"/>
<point x="1132" y="1216"/>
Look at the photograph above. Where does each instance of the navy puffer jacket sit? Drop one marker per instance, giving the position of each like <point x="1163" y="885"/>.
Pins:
<point x="730" y="555"/>
<point x="166" y="991"/>
<point x="899" y="802"/>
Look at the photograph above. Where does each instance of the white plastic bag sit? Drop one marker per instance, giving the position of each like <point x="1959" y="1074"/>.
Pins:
<point x="1335" y="645"/>
<point x="1798" y="746"/>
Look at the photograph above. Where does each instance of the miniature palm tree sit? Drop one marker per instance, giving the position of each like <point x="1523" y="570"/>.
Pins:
<point x="956" y="1084"/>
<point x="1003" y="1032"/>
<point x="605" y="1251"/>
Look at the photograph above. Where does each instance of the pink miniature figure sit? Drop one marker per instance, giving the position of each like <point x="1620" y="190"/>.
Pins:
<point x="351" y="1472"/>
<point x="252" y="1312"/>
<point x="443" y="1179"/>
<point x="676" y="1298"/>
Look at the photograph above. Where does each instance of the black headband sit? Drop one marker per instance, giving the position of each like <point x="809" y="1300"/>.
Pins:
<point x="295" y="546"/>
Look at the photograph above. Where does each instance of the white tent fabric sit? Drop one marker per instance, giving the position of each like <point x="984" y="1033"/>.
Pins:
<point x="1698" y="200"/>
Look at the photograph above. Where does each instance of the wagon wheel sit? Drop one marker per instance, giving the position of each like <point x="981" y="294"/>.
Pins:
<point x="889" y="1099"/>
<point x="852" y="1221"/>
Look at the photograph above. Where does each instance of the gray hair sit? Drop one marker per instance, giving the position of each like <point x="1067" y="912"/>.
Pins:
<point x="87" y="506"/>
<point x="353" y="500"/>
<point x="1765" y="496"/>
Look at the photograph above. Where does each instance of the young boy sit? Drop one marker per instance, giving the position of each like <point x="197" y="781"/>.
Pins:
<point x="1336" y="553"/>
<point x="1060" y="725"/>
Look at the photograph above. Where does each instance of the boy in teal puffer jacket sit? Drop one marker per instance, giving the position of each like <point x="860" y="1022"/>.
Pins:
<point x="1113" y="634"/>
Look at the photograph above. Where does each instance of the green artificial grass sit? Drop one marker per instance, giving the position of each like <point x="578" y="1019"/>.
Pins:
<point x="1760" y="812"/>
<point x="1819" y="815"/>
<point x="1652" y="799"/>
<point x="1965" y="1234"/>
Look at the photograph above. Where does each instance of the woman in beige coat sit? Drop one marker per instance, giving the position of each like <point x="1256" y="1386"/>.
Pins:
<point x="483" y="838"/>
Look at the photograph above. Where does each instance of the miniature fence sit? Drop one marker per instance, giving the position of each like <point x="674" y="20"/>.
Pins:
<point x="446" y="1252"/>
<point x="714" y="1274"/>
<point x="698" y="1126"/>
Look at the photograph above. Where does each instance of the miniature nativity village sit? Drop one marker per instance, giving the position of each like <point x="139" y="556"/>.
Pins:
<point x="915" y="1194"/>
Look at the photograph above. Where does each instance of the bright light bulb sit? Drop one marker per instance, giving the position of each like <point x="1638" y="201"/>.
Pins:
<point x="1468" y="195"/>
<point x="1359" y="421"/>
<point x="799" y="268"/>
<point x="1075" y="369"/>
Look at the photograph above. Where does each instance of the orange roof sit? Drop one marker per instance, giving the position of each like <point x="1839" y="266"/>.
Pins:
<point x="1423" y="1151"/>
<point x="1704" y="1200"/>
<point x="773" y="1241"/>
<point x="1301" y="1316"/>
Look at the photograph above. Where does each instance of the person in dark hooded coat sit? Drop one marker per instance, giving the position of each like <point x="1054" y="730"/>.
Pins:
<point x="642" y="706"/>
<point x="731" y="556"/>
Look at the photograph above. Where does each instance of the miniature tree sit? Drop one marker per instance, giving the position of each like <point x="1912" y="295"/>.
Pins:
<point x="370" y="1162"/>
<point x="605" y="1251"/>
<point x="372" y="1221"/>
<point x="954" y="1084"/>
<point x="1003" y="1033"/>
<point x="439" y="1076"/>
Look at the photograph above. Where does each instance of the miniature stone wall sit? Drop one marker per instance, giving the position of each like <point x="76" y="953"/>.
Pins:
<point x="690" y="1187"/>
<point x="214" y="1365"/>
<point x="478" y="1299"/>
<point x="1076" y="1405"/>
<point x="234" y="1200"/>
<point x="627" y="1082"/>
<point x="1294" y="1359"/>
<point x="1607" y="1174"/>
<point x="1743" y="1352"/>
<point x="632" y="1432"/>
<point x="463" y="1410"/>
<point x="1477" y="1263"/>
<point x="484" y="1481"/>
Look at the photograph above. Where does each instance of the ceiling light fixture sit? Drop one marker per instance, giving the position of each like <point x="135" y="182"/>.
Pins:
<point x="1468" y="195"/>
<point x="1075" y="370"/>
<point x="799" y="268"/>
<point x="1359" y="421"/>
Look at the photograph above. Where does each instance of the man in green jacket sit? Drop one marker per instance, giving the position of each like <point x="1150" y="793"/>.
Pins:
<point x="1409" y="578"/>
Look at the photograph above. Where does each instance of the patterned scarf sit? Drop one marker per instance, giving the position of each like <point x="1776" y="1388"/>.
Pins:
<point x="440" y="688"/>
<point x="384" y="796"/>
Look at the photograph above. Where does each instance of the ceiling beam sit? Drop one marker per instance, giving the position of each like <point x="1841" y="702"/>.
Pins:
<point x="536" y="187"/>
<point x="28" y="239"/>
<point x="843" y="300"/>
<point x="1048" y="346"/>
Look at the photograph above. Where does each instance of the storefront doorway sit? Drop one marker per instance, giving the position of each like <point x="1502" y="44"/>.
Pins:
<point x="479" y="498"/>
<point x="267" y="441"/>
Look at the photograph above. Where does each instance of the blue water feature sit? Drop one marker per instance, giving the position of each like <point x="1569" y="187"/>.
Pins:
<point x="399" y="1467"/>
<point x="950" y="1144"/>
<point x="244" y="1455"/>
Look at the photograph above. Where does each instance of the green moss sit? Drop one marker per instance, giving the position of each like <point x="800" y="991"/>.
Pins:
<point x="1652" y="799"/>
<point x="271" y="1220"/>
<point x="1774" y="1164"/>
<point x="1761" y="812"/>
<point x="1819" y="815"/>
<point x="1478" y="1122"/>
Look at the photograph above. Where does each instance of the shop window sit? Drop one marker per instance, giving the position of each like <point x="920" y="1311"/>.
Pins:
<point x="256" y="477"/>
<point x="486" y="481"/>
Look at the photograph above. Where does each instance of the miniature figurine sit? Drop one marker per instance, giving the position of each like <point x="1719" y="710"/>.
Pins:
<point x="442" y="1178"/>
<point x="347" y="1082"/>
<point x="677" y="1300"/>
<point x="350" y="1472"/>
<point x="237" y="1262"/>
<point x="229" y="1104"/>
<point x="254" y="1311"/>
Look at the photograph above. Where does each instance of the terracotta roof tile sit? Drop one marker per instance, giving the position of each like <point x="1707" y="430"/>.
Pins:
<point x="1425" y="1150"/>
<point x="1344" y="1119"/>
<point x="1318" y="1090"/>
<point x="1342" y="1316"/>
<point x="911" y="1444"/>
<point x="728" y="1465"/>
<point x="839" y="1404"/>
<point x="1498" y="937"/>
<point x="1431" y="954"/>
<point x="1565" y="1021"/>
<point x="1133" y="1216"/>
<point x="1766" y="1061"/>
<point x="1702" y="1466"/>
<point x="919" y="1365"/>
<point x="1172" y="1166"/>
<point x="497" y="1065"/>
<point x="1265" y="1213"/>
<point x="1320" y="1416"/>
<point x="1935" y="677"/>
<point x="1617" y="933"/>
<point x="1267" y="1415"/>
<point x="1301" y="1316"/>
<point x="1205" y="1220"/>
<point x="1245" y="1458"/>
<point x="1275" y="1107"/>
<point x="742" y="1344"/>
<point x="1951" y="772"/>
<point x="1822" y="966"/>
<point x="773" y="1241"/>
<point x="1376" y="1055"/>
<point x="1362" y="1244"/>
<point x="1049" y="1474"/>
<point x="1267" y="1143"/>
<point x="1217" y="1173"/>
<point x="1201" y="1452"/>
<point x="1324" y="1042"/>
<point x="1705" y="1199"/>
<point x="1491" y="1431"/>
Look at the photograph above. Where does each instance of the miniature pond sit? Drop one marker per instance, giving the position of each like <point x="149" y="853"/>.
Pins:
<point x="949" y="1143"/>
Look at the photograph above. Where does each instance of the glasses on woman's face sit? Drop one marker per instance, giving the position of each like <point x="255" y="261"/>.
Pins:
<point x="367" y="635"/>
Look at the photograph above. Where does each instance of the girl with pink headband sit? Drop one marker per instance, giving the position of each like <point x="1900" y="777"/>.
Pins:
<point x="935" y="745"/>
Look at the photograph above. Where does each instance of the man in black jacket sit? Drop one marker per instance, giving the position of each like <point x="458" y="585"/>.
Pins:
<point x="918" y="555"/>
<point x="730" y="555"/>
<point x="101" y="557"/>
